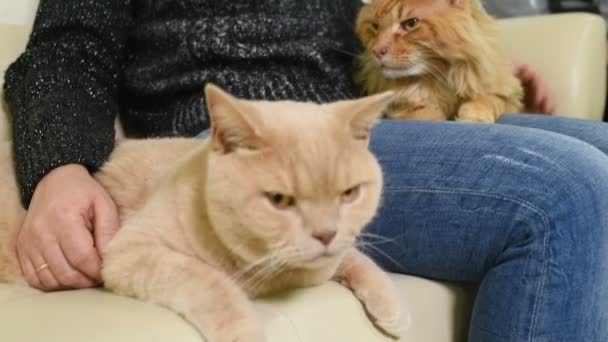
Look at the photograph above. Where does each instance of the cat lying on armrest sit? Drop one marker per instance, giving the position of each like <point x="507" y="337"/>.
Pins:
<point x="273" y="199"/>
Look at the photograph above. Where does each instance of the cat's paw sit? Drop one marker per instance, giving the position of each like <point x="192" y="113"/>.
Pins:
<point x="386" y="311"/>
<point x="476" y="111"/>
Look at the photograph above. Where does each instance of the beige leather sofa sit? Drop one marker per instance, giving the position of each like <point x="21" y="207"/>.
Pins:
<point x="569" y="50"/>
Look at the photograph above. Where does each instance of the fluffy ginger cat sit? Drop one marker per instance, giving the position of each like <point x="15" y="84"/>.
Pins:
<point x="273" y="200"/>
<point x="441" y="56"/>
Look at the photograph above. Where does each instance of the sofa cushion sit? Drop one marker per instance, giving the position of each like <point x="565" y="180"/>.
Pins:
<point x="328" y="313"/>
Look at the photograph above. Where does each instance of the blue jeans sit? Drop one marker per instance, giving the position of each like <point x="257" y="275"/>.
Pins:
<point x="520" y="212"/>
<point x="519" y="209"/>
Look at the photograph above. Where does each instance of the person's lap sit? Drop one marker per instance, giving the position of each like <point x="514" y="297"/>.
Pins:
<point x="591" y="132"/>
<point x="519" y="211"/>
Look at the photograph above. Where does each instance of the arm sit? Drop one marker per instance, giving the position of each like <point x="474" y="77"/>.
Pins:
<point x="63" y="90"/>
<point x="63" y="93"/>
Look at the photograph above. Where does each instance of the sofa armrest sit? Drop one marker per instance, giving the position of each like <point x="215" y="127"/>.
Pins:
<point x="569" y="50"/>
<point x="14" y="39"/>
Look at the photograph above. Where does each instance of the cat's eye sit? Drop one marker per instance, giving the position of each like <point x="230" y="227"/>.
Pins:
<point x="410" y="24"/>
<point x="350" y="195"/>
<point x="375" y="26"/>
<point x="280" y="201"/>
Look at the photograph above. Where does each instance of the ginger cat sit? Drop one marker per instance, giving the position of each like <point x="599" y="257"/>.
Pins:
<point x="274" y="199"/>
<point x="441" y="56"/>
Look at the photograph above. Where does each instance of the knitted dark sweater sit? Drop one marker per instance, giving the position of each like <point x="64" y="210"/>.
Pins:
<point x="87" y="60"/>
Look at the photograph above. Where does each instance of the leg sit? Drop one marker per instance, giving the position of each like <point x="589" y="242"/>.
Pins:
<point x="591" y="132"/>
<point x="522" y="212"/>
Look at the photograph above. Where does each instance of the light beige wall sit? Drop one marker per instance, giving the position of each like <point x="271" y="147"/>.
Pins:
<point x="19" y="12"/>
<point x="13" y="38"/>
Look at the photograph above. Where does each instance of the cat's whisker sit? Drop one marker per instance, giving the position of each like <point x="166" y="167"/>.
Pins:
<point x="272" y="259"/>
<point x="236" y="276"/>
<point x="267" y="274"/>
<point x="378" y="250"/>
<point x="260" y="273"/>
<point x="352" y="54"/>
<point x="374" y="242"/>
<point x="378" y="237"/>
<point x="437" y="74"/>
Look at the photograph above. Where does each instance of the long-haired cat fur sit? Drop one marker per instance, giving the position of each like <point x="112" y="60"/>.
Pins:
<point x="274" y="199"/>
<point x="441" y="56"/>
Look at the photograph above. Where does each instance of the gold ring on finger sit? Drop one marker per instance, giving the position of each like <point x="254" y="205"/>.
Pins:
<point x="42" y="267"/>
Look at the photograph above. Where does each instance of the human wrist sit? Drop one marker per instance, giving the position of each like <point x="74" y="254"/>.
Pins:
<point x="68" y="170"/>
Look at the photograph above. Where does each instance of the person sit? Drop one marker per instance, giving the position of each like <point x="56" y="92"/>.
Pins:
<point x="517" y="208"/>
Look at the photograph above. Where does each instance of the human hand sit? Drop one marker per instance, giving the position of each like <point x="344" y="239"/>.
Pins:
<point x="70" y="221"/>
<point x="536" y="92"/>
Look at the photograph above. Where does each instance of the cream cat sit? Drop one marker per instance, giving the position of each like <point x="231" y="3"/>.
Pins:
<point x="274" y="199"/>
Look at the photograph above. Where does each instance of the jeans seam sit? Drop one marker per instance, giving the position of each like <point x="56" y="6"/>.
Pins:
<point x="546" y="223"/>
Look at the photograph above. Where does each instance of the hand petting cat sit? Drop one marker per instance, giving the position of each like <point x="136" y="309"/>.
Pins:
<point x="69" y="222"/>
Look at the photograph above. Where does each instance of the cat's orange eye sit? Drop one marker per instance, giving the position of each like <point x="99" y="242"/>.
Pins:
<point x="351" y="194"/>
<point x="280" y="201"/>
<point x="410" y="24"/>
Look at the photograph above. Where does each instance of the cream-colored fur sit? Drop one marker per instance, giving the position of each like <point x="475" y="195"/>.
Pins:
<point x="200" y="233"/>
<point x="448" y="65"/>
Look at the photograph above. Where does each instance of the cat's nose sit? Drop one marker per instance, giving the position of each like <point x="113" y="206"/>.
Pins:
<point x="380" y="52"/>
<point x="325" y="236"/>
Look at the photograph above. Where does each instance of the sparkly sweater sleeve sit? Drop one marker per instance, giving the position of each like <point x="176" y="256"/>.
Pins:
<point x="63" y="90"/>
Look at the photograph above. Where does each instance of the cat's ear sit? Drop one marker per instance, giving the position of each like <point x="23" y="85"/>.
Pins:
<point x="232" y="124"/>
<point x="361" y="115"/>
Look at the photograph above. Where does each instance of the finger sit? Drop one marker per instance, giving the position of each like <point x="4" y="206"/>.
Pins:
<point x="28" y="270"/>
<point x="79" y="249"/>
<point x="542" y="104"/>
<point x="517" y="66"/>
<point x="547" y="104"/>
<point x="526" y="73"/>
<point x="66" y="275"/>
<point x="106" y="223"/>
<point x="537" y="98"/>
<point x="47" y="279"/>
<point x="539" y="103"/>
<point x="550" y="107"/>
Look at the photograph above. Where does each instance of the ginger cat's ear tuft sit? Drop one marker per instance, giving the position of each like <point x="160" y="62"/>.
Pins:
<point x="232" y="122"/>
<point x="362" y="114"/>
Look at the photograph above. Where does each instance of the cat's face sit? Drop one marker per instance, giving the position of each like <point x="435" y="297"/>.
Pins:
<point x="291" y="182"/>
<point x="413" y="37"/>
